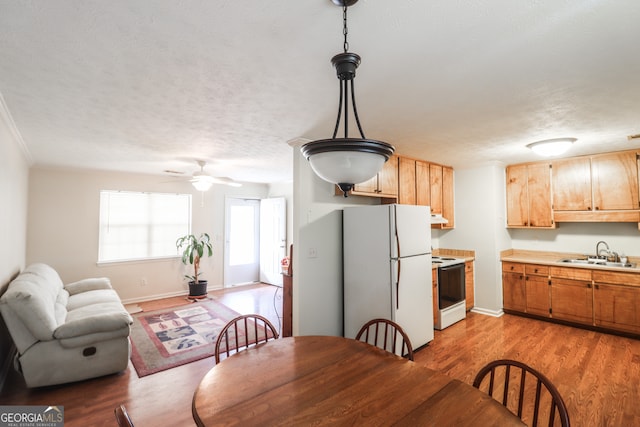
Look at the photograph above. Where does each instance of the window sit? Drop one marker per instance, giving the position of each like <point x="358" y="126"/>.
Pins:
<point x="141" y="225"/>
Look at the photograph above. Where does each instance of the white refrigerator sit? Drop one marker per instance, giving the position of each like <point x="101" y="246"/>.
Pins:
<point x="387" y="268"/>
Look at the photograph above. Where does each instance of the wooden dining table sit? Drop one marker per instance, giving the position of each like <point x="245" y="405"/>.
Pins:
<point x="325" y="380"/>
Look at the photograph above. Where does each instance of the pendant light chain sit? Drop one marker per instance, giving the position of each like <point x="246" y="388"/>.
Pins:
<point x="345" y="30"/>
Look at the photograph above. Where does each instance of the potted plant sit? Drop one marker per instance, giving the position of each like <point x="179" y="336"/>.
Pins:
<point x="193" y="248"/>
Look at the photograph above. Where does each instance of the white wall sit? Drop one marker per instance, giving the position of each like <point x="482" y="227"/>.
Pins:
<point x="14" y="181"/>
<point x="479" y="226"/>
<point x="63" y="229"/>
<point x="623" y="238"/>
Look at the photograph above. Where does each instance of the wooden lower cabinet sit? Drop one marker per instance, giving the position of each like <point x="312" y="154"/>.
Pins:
<point x="607" y="300"/>
<point x="469" y="285"/>
<point x="513" y="290"/>
<point x="616" y="301"/>
<point x="616" y="307"/>
<point x="572" y="300"/>
<point x="538" y="295"/>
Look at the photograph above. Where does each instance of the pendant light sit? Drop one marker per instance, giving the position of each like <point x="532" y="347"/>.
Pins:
<point x="346" y="161"/>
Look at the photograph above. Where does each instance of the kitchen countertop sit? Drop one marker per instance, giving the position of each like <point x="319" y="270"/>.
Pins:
<point x="553" y="259"/>
<point x="454" y="253"/>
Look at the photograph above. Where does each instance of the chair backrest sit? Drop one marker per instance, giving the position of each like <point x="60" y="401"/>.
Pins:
<point x="122" y="416"/>
<point x="507" y="378"/>
<point x="243" y="332"/>
<point x="386" y="334"/>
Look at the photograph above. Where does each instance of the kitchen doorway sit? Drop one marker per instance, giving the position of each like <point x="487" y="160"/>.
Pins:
<point x="255" y="240"/>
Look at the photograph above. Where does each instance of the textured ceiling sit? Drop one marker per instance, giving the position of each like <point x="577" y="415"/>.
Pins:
<point x="151" y="85"/>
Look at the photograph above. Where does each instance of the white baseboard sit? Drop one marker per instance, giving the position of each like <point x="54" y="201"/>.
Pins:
<point x="486" y="312"/>
<point x="154" y="297"/>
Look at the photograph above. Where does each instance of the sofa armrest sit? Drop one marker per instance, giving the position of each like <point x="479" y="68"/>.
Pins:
<point x="100" y="322"/>
<point x="85" y="285"/>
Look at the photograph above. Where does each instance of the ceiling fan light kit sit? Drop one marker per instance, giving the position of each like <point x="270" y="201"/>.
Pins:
<point x="552" y="147"/>
<point x="346" y="161"/>
<point x="203" y="182"/>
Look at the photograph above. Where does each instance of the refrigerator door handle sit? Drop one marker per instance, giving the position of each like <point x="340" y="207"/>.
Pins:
<point x="398" y="286"/>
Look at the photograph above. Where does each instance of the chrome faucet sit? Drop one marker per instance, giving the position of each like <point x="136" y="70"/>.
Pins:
<point x="598" y="250"/>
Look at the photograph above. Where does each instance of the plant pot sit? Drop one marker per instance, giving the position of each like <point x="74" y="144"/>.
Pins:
<point x="198" y="290"/>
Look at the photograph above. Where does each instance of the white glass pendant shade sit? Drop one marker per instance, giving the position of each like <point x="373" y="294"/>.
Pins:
<point x="346" y="161"/>
<point x="349" y="167"/>
<point x="552" y="147"/>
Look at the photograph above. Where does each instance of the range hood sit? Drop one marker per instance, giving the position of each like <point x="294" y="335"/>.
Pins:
<point x="438" y="219"/>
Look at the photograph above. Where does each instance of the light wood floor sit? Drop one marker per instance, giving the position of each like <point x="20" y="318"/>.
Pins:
<point x="597" y="374"/>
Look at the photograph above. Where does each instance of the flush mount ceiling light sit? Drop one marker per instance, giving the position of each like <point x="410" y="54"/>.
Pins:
<point x="552" y="147"/>
<point x="346" y="161"/>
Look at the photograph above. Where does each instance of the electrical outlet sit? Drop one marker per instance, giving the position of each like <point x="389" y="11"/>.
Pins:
<point x="143" y="281"/>
<point x="313" y="253"/>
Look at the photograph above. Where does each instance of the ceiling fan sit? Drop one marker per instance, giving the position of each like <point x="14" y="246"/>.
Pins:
<point x="203" y="181"/>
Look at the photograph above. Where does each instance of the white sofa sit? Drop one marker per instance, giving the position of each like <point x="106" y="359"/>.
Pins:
<point x="65" y="333"/>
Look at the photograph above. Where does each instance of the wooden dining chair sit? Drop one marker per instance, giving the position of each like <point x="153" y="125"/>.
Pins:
<point x="533" y="399"/>
<point x="386" y="334"/>
<point x="122" y="416"/>
<point x="243" y="332"/>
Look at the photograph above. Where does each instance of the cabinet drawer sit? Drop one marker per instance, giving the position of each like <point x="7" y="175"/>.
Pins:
<point x="570" y="273"/>
<point x="512" y="267"/>
<point x="536" y="270"/>
<point x="631" y="279"/>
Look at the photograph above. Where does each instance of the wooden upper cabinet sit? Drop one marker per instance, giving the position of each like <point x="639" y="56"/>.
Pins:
<point x="406" y="181"/>
<point x="384" y="184"/>
<point x="423" y="185"/>
<point x="615" y="181"/>
<point x="572" y="184"/>
<point x="539" y="191"/>
<point x="517" y="199"/>
<point x="529" y="195"/>
<point x="388" y="177"/>
<point x="602" y="182"/>
<point x="435" y="185"/>
<point x="447" y="196"/>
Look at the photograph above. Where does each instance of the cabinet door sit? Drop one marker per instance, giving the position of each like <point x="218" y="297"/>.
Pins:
<point x="388" y="177"/>
<point x="469" y="285"/>
<point x="517" y="201"/>
<point x="435" y="188"/>
<point x="572" y="300"/>
<point x="572" y="184"/>
<point x="423" y="192"/>
<point x="616" y="307"/>
<point x="447" y="196"/>
<point x="615" y="181"/>
<point x="406" y="181"/>
<point x="513" y="292"/>
<point x="370" y="186"/>
<point x="539" y="195"/>
<point x="538" y="295"/>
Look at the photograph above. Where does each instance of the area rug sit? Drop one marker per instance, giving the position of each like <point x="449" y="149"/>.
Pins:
<point x="164" y="339"/>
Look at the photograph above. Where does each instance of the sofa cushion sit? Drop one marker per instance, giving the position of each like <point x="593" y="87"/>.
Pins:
<point x="47" y="275"/>
<point x="60" y="310"/>
<point x="101" y="317"/>
<point x="31" y="299"/>
<point x="93" y="297"/>
<point x="85" y="285"/>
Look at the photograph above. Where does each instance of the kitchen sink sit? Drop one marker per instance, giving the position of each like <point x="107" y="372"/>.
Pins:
<point x="597" y="261"/>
